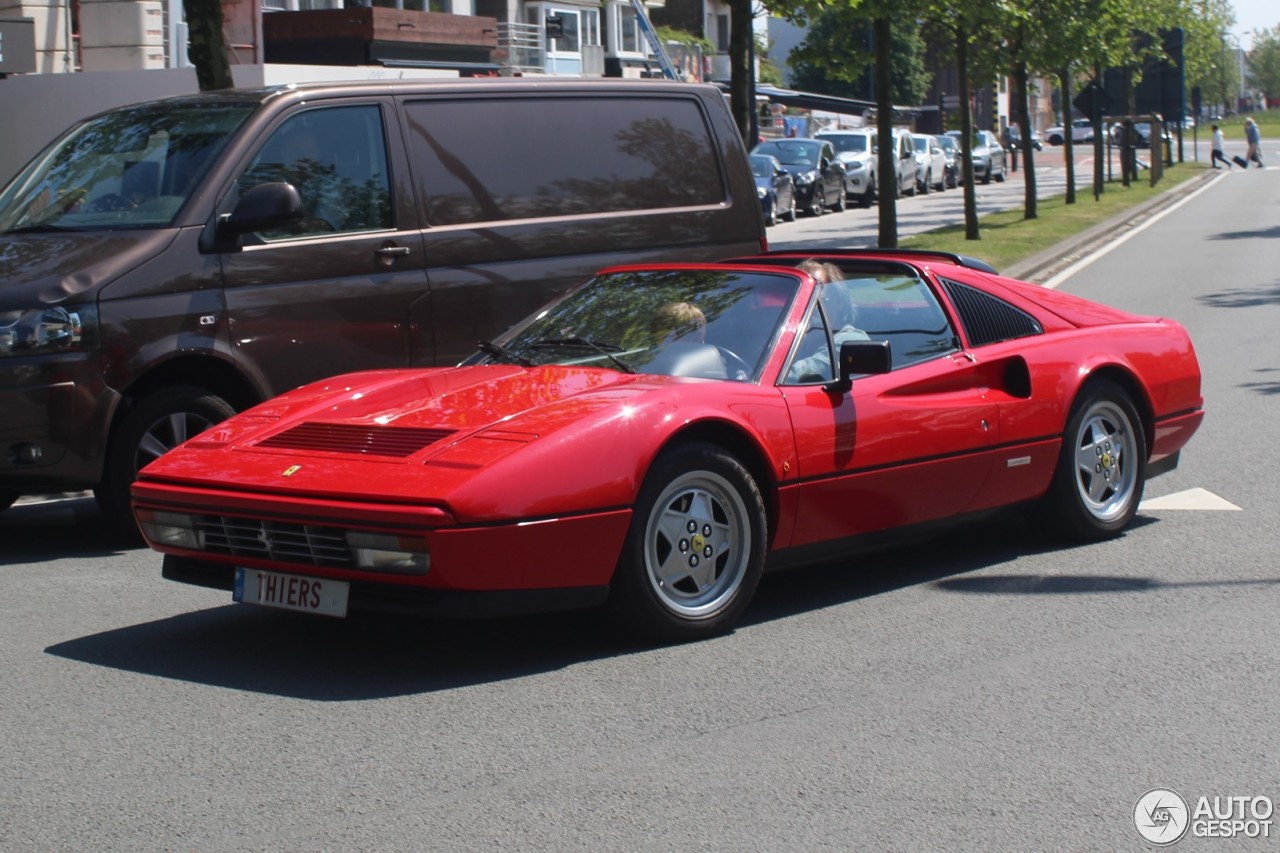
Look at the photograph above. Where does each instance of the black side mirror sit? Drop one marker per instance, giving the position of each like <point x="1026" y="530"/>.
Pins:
<point x="860" y="358"/>
<point x="263" y="208"/>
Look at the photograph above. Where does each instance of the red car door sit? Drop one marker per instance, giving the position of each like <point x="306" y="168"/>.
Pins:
<point x="909" y="446"/>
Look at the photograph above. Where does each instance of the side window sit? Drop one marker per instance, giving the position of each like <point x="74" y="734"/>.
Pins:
<point x="560" y="156"/>
<point x="895" y="307"/>
<point x="336" y="157"/>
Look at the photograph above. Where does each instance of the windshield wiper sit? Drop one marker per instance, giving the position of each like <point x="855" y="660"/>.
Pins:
<point x="605" y="349"/>
<point x="40" y="228"/>
<point x="502" y="352"/>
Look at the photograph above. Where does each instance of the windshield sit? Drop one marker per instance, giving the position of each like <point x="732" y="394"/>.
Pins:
<point x="713" y="324"/>
<point x="791" y="152"/>
<point x="922" y="144"/>
<point x="762" y="167"/>
<point x="852" y="143"/>
<point x="131" y="168"/>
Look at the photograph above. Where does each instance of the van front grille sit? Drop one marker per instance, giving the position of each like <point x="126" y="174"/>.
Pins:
<point x="363" y="440"/>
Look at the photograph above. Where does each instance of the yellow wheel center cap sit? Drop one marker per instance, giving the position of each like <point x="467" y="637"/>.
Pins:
<point x="1107" y="460"/>
<point x="698" y="542"/>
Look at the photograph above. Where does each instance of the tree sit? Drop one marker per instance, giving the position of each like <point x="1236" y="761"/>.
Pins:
<point x="207" y="47"/>
<point x="836" y="58"/>
<point x="1264" y="60"/>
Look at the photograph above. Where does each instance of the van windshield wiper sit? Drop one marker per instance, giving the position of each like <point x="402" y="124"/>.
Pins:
<point x="40" y="228"/>
<point x="605" y="349"/>
<point x="500" y="351"/>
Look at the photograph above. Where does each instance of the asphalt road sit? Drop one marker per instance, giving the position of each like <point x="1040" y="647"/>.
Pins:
<point x="987" y="691"/>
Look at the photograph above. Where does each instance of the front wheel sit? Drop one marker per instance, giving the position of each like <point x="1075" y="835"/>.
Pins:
<point x="1102" y="467"/>
<point x="926" y="184"/>
<point x="771" y="214"/>
<point x="870" y="195"/>
<point x="153" y="426"/>
<point x="695" y="550"/>
<point x="818" y="202"/>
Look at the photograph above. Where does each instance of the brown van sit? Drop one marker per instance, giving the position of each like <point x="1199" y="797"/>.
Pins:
<point x="167" y="264"/>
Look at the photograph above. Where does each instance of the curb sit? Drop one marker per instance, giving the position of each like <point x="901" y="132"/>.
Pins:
<point x="1041" y="267"/>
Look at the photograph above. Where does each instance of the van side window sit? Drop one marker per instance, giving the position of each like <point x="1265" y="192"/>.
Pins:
<point x="554" y="156"/>
<point x="337" y="160"/>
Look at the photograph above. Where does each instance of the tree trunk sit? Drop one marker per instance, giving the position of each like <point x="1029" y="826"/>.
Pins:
<point x="884" y="127"/>
<point x="1028" y="150"/>
<point x="208" y="46"/>
<point x="1068" y="142"/>
<point x="740" y="70"/>
<point x="971" y="231"/>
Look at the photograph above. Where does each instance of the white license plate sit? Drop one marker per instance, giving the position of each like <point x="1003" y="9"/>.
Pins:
<point x="291" y="592"/>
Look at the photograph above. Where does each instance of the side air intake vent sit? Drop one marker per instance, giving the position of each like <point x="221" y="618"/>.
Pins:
<point x="987" y="319"/>
<point x="345" y="438"/>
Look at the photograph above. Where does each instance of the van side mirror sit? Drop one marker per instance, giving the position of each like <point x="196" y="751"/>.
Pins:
<point x="860" y="358"/>
<point x="263" y="208"/>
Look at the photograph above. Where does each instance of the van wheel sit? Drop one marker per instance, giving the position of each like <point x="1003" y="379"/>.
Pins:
<point x="154" y="425"/>
<point x="695" y="551"/>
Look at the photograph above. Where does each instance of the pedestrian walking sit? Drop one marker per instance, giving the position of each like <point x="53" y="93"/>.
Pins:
<point x="1254" y="138"/>
<point x="1219" y="149"/>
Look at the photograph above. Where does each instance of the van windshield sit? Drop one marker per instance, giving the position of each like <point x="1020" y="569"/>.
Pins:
<point x="128" y="169"/>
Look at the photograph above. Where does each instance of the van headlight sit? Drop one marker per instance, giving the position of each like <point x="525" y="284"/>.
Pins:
<point x="39" y="331"/>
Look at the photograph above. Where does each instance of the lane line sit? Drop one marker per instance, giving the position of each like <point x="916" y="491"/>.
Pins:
<point x="1061" y="277"/>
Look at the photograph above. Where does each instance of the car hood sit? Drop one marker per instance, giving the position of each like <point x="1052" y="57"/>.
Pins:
<point x="60" y="267"/>
<point x="797" y="171"/>
<point x="468" y="438"/>
<point x="855" y="157"/>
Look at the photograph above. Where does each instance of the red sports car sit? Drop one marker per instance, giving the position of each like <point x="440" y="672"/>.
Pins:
<point x="660" y="435"/>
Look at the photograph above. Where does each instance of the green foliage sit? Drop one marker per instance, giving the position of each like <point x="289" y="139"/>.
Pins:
<point x="836" y="58"/>
<point x="1264" y="60"/>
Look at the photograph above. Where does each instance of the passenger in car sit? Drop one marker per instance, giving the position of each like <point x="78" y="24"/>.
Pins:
<point x="837" y="304"/>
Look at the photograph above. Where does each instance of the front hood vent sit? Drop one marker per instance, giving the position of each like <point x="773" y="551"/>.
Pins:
<point x="357" y="439"/>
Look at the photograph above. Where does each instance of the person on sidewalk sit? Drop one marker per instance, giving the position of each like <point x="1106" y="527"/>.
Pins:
<point x="1254" y="138"/>
<point x="1219" y="149"/>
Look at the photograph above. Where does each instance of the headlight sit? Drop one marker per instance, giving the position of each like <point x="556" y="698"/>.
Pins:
<point x="805" y="178"/>
<point x="45" y="330"/>
<point x="383" y="552"/>
<point x="761" y="192"/>
<point x="169" y="528"/>
<point x="854" y="166"/>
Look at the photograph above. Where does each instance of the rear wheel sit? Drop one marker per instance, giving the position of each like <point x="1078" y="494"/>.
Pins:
<point x="1101" y="469"/>
<point x="154" y="425"/>
<point x="695" y="551"/>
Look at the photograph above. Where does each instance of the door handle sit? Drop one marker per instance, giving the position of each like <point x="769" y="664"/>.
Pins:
<point x="388" y="253"/>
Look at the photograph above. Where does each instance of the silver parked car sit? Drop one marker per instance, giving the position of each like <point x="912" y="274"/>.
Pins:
<point x="857" y="149"/>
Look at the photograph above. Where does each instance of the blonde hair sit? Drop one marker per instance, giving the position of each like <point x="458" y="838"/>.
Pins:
<point x="821" y="272"/>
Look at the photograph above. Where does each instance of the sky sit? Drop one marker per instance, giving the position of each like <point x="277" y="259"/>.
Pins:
<point x="1254" y="15"/>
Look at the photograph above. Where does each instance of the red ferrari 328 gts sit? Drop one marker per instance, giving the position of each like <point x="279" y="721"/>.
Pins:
<point x="662" y="434"/>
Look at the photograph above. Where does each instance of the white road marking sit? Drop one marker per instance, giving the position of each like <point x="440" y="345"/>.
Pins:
<point x="1058" y="279"/>
<point x="1193" y="499"/>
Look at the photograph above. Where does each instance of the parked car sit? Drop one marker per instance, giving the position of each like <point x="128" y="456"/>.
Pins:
<point x="776" y="187"/>
<point x="658" y="437"/>
<point x="1141" y="134"/>
<point x="906" y="169"/>
<point x="931" y="163"/>
<point x="990" y="160"/>
<point x="169" y="263"/>
<point x="1081" y="131"/>
<point x="1013" y="138"/>
<point x="951" y="149"/>
<point x="858" y="150"/>
<point x="817" y="171"/>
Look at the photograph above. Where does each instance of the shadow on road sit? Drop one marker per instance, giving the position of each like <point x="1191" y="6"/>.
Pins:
<point x="371" y="656"/>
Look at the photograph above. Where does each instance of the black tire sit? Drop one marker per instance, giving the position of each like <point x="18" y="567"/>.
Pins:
<point x="926" y="184"/>
<point x="870" y="195"/>
<point x="771" y="218"/>
<point x="818" y="201"/>
<point x="153" y="425"/>
<point x="695" y="551"/>
<point x="986" y="178"/>
<point x="1101" y="470"/>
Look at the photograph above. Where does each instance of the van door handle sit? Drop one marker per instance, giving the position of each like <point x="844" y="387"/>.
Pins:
<point x="388" y="253"/>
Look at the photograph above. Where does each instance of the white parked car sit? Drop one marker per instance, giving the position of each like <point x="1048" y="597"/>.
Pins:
<point x="931" y="163"/>
<point x="1081" y="131"/>
<point x="904" y="159"/>
<point x="858" y="151"/>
